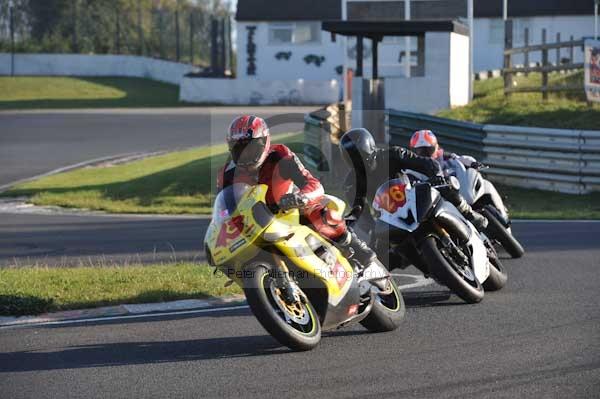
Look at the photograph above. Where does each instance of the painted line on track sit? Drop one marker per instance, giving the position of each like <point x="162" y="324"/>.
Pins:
<point x="421" y="281"/>
<point x="79" y="165"/>
<point x="127" y="317"/>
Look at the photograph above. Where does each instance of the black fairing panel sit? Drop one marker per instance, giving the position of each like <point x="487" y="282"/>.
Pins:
<point x="426" y="198"/>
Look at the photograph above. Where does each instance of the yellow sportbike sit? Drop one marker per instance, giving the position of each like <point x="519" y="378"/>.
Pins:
<point x="296" y="282"/>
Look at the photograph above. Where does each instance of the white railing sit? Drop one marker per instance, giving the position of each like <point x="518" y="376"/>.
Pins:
<point x="550" y="159"/>
<point x="554" y="159"/>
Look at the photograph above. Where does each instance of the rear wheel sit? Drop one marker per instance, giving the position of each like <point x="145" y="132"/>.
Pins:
<point x="497" y="278"/>
<point x="498" y="275"/>
<point x="295" y="325"/>
<point x="498" y="232"/>
<point x="387" y="311"/>
<point x="454" y="273"/>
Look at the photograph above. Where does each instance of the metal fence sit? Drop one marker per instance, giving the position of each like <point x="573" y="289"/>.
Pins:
<point x="550" y="159"/>
<point x="193" y="33"/>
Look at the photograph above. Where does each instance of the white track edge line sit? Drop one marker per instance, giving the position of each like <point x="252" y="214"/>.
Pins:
<point x="174" y="313"/>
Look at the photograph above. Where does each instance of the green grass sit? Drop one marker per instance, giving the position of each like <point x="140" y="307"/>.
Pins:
<point x="69" y="92"/>
<point x="538" y="204"/>
<point x="568" y="111"/>
<point x="175" y="183"/>
<point x="34" y="290"/>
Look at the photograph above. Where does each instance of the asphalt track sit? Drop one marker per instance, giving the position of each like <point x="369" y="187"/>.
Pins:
<point x="537" y="338"/>
<point x="35" y="142"/>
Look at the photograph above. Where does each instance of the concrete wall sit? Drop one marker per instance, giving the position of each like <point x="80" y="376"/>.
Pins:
<point x="446" y="80"/>
<point x="245" y="91"/>
<point x="430" y="92"/>
<point x="94" y="65"/>
<point x="488" y="38"/>
<point x="459" y="70"/>
<point x="268" y="67"/>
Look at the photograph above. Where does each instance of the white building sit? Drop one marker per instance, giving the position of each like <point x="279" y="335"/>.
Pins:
<point x="287" y="42"/>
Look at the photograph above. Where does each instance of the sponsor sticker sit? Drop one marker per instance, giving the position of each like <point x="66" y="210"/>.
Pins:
<point x="592" y="70"/>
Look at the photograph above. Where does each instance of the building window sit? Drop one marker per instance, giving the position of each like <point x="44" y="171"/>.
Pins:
<point x="296" y="33"/>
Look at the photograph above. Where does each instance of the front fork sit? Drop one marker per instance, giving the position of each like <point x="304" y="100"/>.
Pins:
<point x="289" y="290"/>
<point x="446" y="240"/>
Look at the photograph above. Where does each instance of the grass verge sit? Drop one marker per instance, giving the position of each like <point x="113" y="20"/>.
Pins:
<point x="567" y="111"/>
<point x="175" y="183"/>
<point x="69" y="92"/>
<point x="35" y="290"/>
<point x="538" y="204"/>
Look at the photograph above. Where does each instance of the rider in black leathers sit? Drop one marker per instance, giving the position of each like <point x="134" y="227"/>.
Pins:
<point x="372" y="166"/>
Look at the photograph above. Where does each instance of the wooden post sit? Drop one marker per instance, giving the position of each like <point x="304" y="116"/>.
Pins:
<point x="75" y="41"/>
<point x="213" y="45"/>
<point x="571" y="50"/>
<point x="544" y="64"/>
<point x="558" y="49"/>
<point x="508" y="41"/>
<point x="359" y="56"/>
<point x="229" y="46"/>
<point x="140" y="29"/>
<point x="526" y="53"/>
<point x="11" y="11"/>
<point x="118" y="31"/>
<point x="177" y="41"/>
<point x="191" y="37"/>
<point x="374" y="73"/>
<point x="222" y="49"/>
<point x="161" y="40"/>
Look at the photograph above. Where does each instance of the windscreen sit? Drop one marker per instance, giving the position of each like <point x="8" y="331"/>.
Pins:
<point x="227" y="201"/>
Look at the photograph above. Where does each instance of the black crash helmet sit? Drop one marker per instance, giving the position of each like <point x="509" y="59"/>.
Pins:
<point x="358" y="148"/>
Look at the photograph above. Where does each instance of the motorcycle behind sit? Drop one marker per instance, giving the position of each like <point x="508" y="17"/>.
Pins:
<point x="296" y="282"/>
<point x="415" y="225"/>
<point x="481" y="194"/>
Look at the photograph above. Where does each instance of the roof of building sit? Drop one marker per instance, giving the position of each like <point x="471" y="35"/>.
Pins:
<point x="393" y="28"/>
<point x="530" y="8"/>
<point x="288" y="10"/>
<point x="322" y="10"/>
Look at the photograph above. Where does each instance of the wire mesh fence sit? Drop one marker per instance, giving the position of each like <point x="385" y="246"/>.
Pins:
<point x="174" y="30"/>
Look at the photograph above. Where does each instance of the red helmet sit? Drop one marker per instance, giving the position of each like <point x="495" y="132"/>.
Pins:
<point x="249" y="141"/>
<point x="424" y="143"/>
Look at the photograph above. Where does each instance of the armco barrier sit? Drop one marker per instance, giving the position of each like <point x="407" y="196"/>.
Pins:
<point x="551" y="159"/>
<point x="460" y="137"/>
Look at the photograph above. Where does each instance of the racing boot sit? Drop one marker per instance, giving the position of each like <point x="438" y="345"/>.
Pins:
<point x="478" y="220"/>
<point x="351" y="246"/>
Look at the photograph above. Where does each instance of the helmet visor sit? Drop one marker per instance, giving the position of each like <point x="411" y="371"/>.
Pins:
<point x="425" y="151"/>
<point x="247" y="153"/>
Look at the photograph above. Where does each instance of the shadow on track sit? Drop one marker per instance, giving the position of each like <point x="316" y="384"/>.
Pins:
<point x="131" y="353"/>
<point x="419" y="299"/>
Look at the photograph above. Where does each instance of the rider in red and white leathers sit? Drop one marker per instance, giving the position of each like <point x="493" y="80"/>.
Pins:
<point x="253" y="159"/>
<point x="425" y="144"/>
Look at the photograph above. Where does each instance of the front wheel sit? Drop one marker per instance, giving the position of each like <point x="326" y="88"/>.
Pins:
<point x="294" y="325"/>
<point x="387" y="311"/>
<point x="497" y="231"/>
<point x="456" y="275"/>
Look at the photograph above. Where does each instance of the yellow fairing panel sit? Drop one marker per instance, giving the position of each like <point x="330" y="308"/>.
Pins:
<point x="336" y="272"/>
<point x="236" y="234"/>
